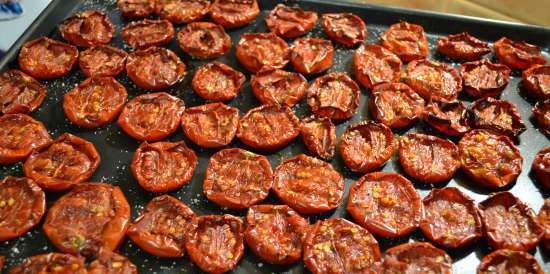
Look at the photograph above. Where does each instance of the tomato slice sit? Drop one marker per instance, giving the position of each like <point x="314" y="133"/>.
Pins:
<point x="57" y="263"/>
<point x="290" y="22"/>
<point x="373" y="65"/>
<point x="386" y="204"/>
<point x="395" y="105"/>
<point x="449" y="118"/>
<point x="334" y="95"/>
<point x="151" y="117"/>
<point x="416" y="258"/>
<point x="147" y="33"/>
<point x="541" y="115"/>
<point x="518" y="54"/>
<point x="212" y="125"/>
<point x="434" y="81"/>
<point x="109" y="262"/>
<point x="406" y="40"/>
<point x="256" y="51"/>
<point x="225" y="232"/>
<point x="63" y="163"/>
<point x="136" y="9"/>
<point x="339" y="246"/>
<point x="462" y="47"/>
<point x="234" y="13"/>
<point x="544" y="221"/>
<point x="204" y="40"/>
<point x="319" y="136"/>
<point x="506" y="260"/>
<point x="161" y="227"/>
<point x="276" y="86"/>
<point x="102" y="60"/>
<point x="484" y="78"/>
<point x="91" y="217"/>
<point x="347" y="29"/>
<point x="536" y="80"/>
<point x="87" y="28"/>
<point x="311" y="55"/>
<point x="541" y="167"/>
<point x="182" y="11"/>
<point x="19" y="92"/>
<point x="45" y="58"/>
<point x="155" y="68"/>
<point x="22" y="205"/>
<point x="237" y="179"/>
<point x="499" y="116"/>
<point x="217" y="81"/>
<point x="20" y="134"/>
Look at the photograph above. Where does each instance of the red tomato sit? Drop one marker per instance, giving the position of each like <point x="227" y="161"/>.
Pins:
<point x="541" y="115"/>
<point x="161" y="227"/>
<point x="212" y="125"/>
<point x="92" y="216"/>
<point x="2" y="259"/>
<point x="311" y="55"/>
<point x="319" y="136"/>
<point x="373" y="64"/>
<point x="449" y="118"/>
<point x="45" y="58"/>
<point x="518" y="54"/>
<point x="19" y="92"/>
<point x="256" y="51"/>
<point x="509" y="261"/>
<point x="57" y="263"/>
<point x="406" y="40"/>
<point x="416" y="258"/>
<point x="395" y="105"/>
<point x="237" y="179"/>
<point x="536" y="80"/>
<point x="347" y="29"/>
<point x="541" y="167"/>
<point x="484" y="78"/>
<point x="462" y="47"/>
<point x="63" y="163"/>
<point x="276" y="86"/>
<point x="498" y="116"/>
<point x="182" y="11"/>
<point x="87" y="28"/>
<point x="434" y="81"/>
<point x="146" y="33"/>
<point x="290" y="22"/>
<point x="336" y="246"/>
<point x="204" y="40"/>
<point x="22" y="205"/>
<point x="102" y="61"/>
<point x="233" y="14"/>
<point x="163" y="166"/>
<point x="109" y="262"/>
<point x="20" y="134"/>
<point x="544" y="221"/>
<point x="217" y="81"/>
<point x="155" y="68"/>
<point x="334" y="95"/>
<point x="136" y="9"/>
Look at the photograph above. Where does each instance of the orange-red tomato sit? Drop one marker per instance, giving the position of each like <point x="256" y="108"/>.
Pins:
<point x="45" y="58"/>
<point x="334" y="95"/>
<point x="276" y="86"/>
<point x="102" y="60"/>
<point x="406" y="40"/>
<point x="417" y="258"/>
<point x="290" y="22"/>
<point x="506" y="260"/>
<point x="19" y="92"/>
<point x="311" y="55"/>
<point x="257" y="51"/>
<point x="212" y="125"/>
<point x="20" y="134"/>
<point x="136" y="9"/>
<point x="233" y="14"/>
<point x="204" y="40"/>
<point x="217" y="81"/>
<point x="462" y="47"/>
<point x="154" y="68"/>
<point x="87" y="28"/>
<point x="347" y="29"/>
<point x="182" y="11"/>
<point x="57" y="263"/>
<point x="373" y="65"/>
<point x="147" y="33"/>
<point x="518" y="54"/>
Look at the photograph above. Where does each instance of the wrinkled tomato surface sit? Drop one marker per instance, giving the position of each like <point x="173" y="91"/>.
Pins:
<point x="498" y="116"/>
<point x="434" y="81"/>
<point x="406" y="40"/>
<point x="57" y="263"/>
<point x="109" y="262"/>
<point x="395" y="105"/>
<point x="20" y="134"/>
<point x="536" y="80"/>
<point x="373" y="65"/>
<point x="311" y="55"/>
<point x="147" y="32"/>
<point x="102" y="60"/>
<point x="19" y="92"/>
<point x="319" y="136"/>
<point x="136" y="9"/>
<point x="541" y="115"/>
<point x="417" y="258"/>
<point x="204" y="40"/>
<point x="518" y="54"/>
<point x="509" y="261"/>
<point x="462" y="47"/>
<point x="45" y="58"/>
<point x="212" y="125"/>
<point x="182" y="11"/>
<point x="544" y="221"/>
<point x="217" y="81"/>
<point x="234" y="13"/>
<point x="290" y="22"/>
<point x="87" y="28"/>
<point x="541" y="167"/>
<point x="449" y="118"/>
<point x="154" y="68"/>
<point x="484" y="78"/>
<point x="276" y="86"/>
<point x="334" y="95"/>
<point x="256" y="51"/>
<point x="347" y="29"/>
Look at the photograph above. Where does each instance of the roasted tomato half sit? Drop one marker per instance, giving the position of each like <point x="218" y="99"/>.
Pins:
<point x="509" y="261"/>
<point x="20" y="134"/>
<point x="311" y="55"/>
<point x="544" y="221"/>
<point x="217" y="81"/>
<point x="234" y="13"/>
<point x="536" y="80"/>
<point x="19" y="92"/>
<point x="45" y="58"/>
<point x="87" y="28"/>
<point x="146" y="33"/>
<point x="406" y="40"/>
<point x="290" y="22"/>
<point x="57" y="263"/>
<point x="136" y="9"/>
<point x="155" y="68"/>
<point x="484" y="78"/>
<point x="347" y="29"/>
<point x="102" y="60"/>
<point x="499" y="116"/>
<point x="373" y="64"/>
<point x="319" y="136"/>
<point x="256" y="51"/>
<point x="212" y="125"/>
<point x="416" y="257"/>
<point x="334" y="95"/>
<point x="434" y="81"/>
<point x="462" y="47"/>
<point x="276" y="86"/>
<point x="395" y="105"/>
<point x="109" y="262"/>
<point x="541" y="167"/>
<point x="204" y="40"/>
<point x="518" y="54"/>
<point x="541" y="115"/>
<point x="449" y="118"/>
<point x="182" y="11"/>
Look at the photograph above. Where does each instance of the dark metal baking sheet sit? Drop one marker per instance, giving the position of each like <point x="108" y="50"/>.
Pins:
<point x="116" y="148"/>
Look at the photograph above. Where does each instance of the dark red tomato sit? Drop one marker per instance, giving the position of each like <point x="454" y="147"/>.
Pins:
<point x="146" y="33"/>
<point x="212" y="125"/>
<point x="541" y="167"/>
<point x="182" y="11"/>
<point x="498" y="116"/>
<point x="319" y="136"/>
<point x="544" y="221"/>
<point x="450" y="218"/>
<point x="434" y="81"/>
<point x="541" y="115"/>
<point x="484" y="78"/>
<point x="91" y="217"/>
<point x="509" y="223"/>
<point x="95" y="102"/>
<point x="347" y="29"/>
<point x="20" y="134"/>
<point x="334" y="95"/>
<point x="215" y="242"/>
<point x="151" y="117"/>
<point x="51" y="263"/>
<point x="19" y="92"/>
<point x="163" y="166"/>
<point x="373" y="64"/>
<point x="268" y="127"/>
<point x="155" y="68"/>
<point x="491" y="160"/>
<point x="237" y="179"/>
<point x="428" y="159"/>
<point x="87" y="28"/>
<point x="462" y="47"/>
<point x="336" y="246"/>
<point x="366" y="146"/>
<point x="518" y="54"/>
<point x="102" y="61"/>
<point x="308" y="185"/>
<point x="290" y="22"/>
<point x="109" y="262"/>
<point x="311" y="55"/>
<point x="395" y="105"/>
<point x="22" y="205"/>
<point x="536" y="80"/>
<point x="217" y="81"/>
<point x="234" y="13"/>
<point x="256" y="51"/>
<point x="276" y="86"/>
<point x="416" y="258"/>
<point x="509" y="261"/>
<point x="136" y="9"/>
<point x="161" y="227"/>
<point x="45" y="58"/>
<point x="204" y="40"/>
<point x="275" y="233"/>
<point x="385" y="203"/>
<point x="63" y="163"/>
<point x="2" y="259"/>
<point x="406" y="40"/>
<point x="449" y="118"/>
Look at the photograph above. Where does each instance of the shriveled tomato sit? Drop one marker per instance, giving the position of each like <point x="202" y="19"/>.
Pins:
<point x="161" y="227"/>
<point x="536" y="80"/>
<point x="87" y="28"/>
<point x="182" y="11"/>
<point x="102" y="61"/>
<point x="449" y="118"/>
<point x="109" y="262"/>
<point x="337" y="245"/>
<point x="19" y="92"/>
<point x="509" y="261"/>
<point x="20" y="134"/>
<point x="51" y="263"/>
<point x="484" y="78"/>
<point x="136" y="9"/>
<point x="155" y="68"/>
<point x="347" y="29"/>
<point x="433" y="81"/>
<point x="518" y="54"/>
<point x="311" y="55"/>
<point x="217" y="81"/>
<point x="319" y="136"/>
<point x="151" y="117"/>
<point x="45" y="58"/>
<point x="499" y="116"/>
<point x="541" y="115"/>
<point x="256" y="51"/>
<point x="373" y="64"/>
<point x="406" y="40"/>
<point x="290" y="22"/>
<point x="225" y="232"/>
<point x="268" y="127"/>
<point x="416" y="258"/>
<point x="212" y="125"/>
<point x="366" y="146"/>
<point x="204" y="40"/>
<point x="234" y="13"/>
<point x="509" y="223"/>
<point x="276" y="86"/>
<point x="163" y="166"/>
<point x="22" y="205"/>
<point x="462" y="47"/>
<point x="541" y="167"/>
<point x="92" y="216"/>
<point x="544" y="221"/>
<point x="146" y="33"/>
<point x="63" y="163"/>
<point x="395" y="105"/>
<point x="334" y="95"/>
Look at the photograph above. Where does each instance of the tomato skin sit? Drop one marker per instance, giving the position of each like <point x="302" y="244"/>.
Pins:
<point x="504" y="260"/>
<point x="290" y="22"/>
<point x="536" y="80"/>
<point x="155" y="68"/>
<point x="462" y="47"/>
<point x="102" y="60"/>
<point x="518" y="54"/>
<point x="384" y="99"/>
<point x="276" y="86"/>
<point x="333" y="83"/>
<point x="234" y="14"/>
<point x="433" y="81"/>
<point x="416" y="257"/>
<point x="197" y="125"/>
<point x="136" y="9"/>
<point x="38" y="60"/>
<point x="109" y="262"/>
<point x="151" y="231"/>
<point x="257" y="51"/>
<point x="322" y="146"/>
<point x="20" y="134"/>
<point x="2" y="259"/>
<point x="51" y="263"/>
<point x="406" y="40"/>
<point x="449" y="118"/>
<point x="347" y="29"/>
<point x="484" y="79"/>
<point x="541" y="115"/>
<point x="182" y="11"/>
<point x="204" y="40"/>
<point x="541" y="167"/>
<point x="19" y="92"/>
<point x="373" y="65"/>
<point x="544" y="220"/>
<point x="87" y="28"/>
<point x="498" y="116"/>
<point x="311" y="55"/>
<point x="142" y="34"/>
<point x="217" y="81"/>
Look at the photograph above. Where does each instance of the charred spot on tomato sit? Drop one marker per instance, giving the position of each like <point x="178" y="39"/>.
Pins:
<point x="290" y="22"/>
<point x="462" y="47"/>
<point x="45" y="58"/>
<point x="147" y="33"/>
<point x="19" y="92"/>
<point x="395" y="105"/>
<point x="498" y="116"/>
<point x="406" y="40"/>
<point x="484" y="79"/>
<point x="347" y="29"/>
<point x="518" y="54"/>
<point x="87" y="28"/>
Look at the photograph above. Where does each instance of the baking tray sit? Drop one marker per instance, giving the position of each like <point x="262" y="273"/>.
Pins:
<point x="116" y="148"/>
